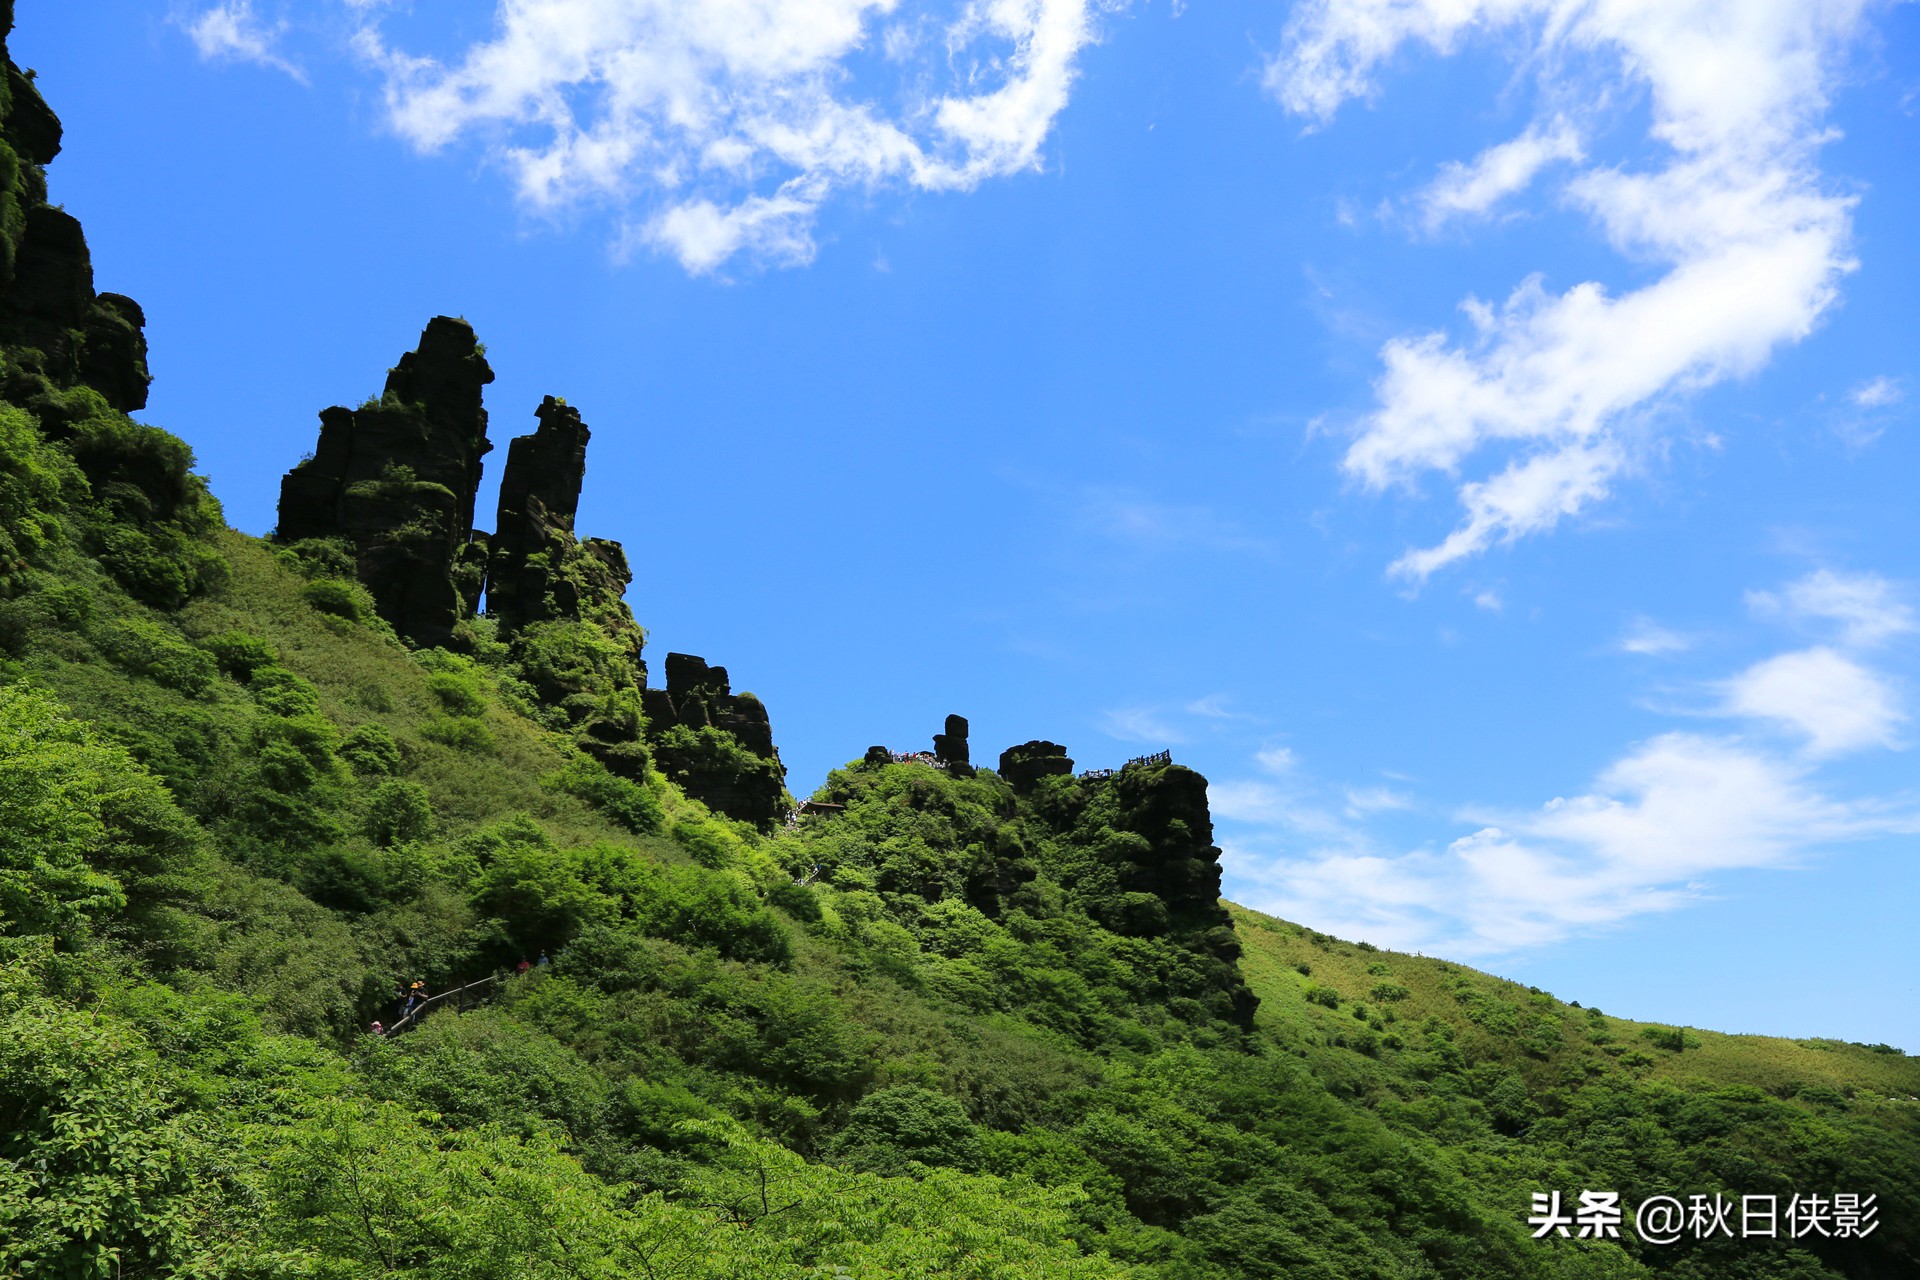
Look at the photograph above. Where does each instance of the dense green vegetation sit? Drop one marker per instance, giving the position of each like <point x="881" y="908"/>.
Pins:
<point x="956" y="1027"/>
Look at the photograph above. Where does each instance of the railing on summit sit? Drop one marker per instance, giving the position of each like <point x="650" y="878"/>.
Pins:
<point x="1158" y="757"/>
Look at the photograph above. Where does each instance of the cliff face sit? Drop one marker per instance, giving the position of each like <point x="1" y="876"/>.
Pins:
<point x="62" y="333"/>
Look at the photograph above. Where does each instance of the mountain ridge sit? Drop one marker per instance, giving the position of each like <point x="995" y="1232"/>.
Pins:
<point x="990" y="1022"/>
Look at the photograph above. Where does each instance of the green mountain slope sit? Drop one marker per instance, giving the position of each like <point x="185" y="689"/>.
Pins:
<point x="953" y="1021"/>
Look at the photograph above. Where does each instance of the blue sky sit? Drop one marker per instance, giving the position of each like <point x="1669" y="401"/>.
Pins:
<point x="1476" y="435"/>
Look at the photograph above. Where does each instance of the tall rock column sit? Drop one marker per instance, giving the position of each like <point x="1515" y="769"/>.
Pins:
<point x="396" y="479"/>
<point x="560" y="600"/>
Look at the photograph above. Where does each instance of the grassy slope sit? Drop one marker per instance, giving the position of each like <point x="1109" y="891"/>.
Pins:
<point x="1785" y="1068"/>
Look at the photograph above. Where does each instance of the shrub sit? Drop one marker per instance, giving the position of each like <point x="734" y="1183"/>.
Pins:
<point x="463" y="733"/>
<point x="371" y="749"/>
<point x="147" y="649"/>
<point x="627" y="802"/>
<point x="283" y="693"/>
<point x="458" y="694"/>
<point x="239" y="654"/>
<point x="399" y="812"/>
<point x="1323" y="995"/>
<point x="335" y="596"/>
<point x="319" y="558"/>
<point x="1389" y="991"/>
<point x="711" y="845"/>
<point x="907" y="1130"/>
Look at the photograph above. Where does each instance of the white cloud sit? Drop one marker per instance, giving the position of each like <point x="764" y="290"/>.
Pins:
<point x="232" y="32"/>
<point x="1497" y="172"/>
<point x="1753" y="248"/>
<point x="1362" y="801"/>
<point x="1648" y="637"/>
<point x="1244" y="801"/>
<point x="1674" y="810"/>
<point x="1878" y="393"/>
<point x="1865" y="605"/>
<point x="1837" y="703"/>
<point x="1276" y="760"/>
<point x="727" y="123"/>
<point x="1139" y="724"/>
<point x="1215" y="706"/>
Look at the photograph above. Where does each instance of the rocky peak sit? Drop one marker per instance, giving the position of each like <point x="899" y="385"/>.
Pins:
<point x="717" y="744"/>
<point x="1029" y="762"/>
<point x="951" y="747"/>
<point x="396" y="479"/>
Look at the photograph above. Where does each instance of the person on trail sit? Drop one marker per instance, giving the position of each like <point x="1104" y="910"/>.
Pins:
<point x="377" y="1029"/>
<point x="400" y="999"/>
<point x="522" y="967"/>
<point x="543" y="962"/>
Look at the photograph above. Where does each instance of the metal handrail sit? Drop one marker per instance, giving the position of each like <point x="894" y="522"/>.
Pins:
<point x="415" y="1015"/>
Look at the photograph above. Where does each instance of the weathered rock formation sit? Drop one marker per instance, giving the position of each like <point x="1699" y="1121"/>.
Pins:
<point x="538" y="571"/>
<point x="1179" y="866"/>
<point x="561" y="601"/>
<point x="951" y="747"/>
<point x="1029" y="762"/>
<point x="717" y="744"/>
<point x="396" y="479"/>
<point x="49" y="312"/>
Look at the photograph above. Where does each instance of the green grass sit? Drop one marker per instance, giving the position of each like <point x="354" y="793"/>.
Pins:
<point x="1782" y="1067"/>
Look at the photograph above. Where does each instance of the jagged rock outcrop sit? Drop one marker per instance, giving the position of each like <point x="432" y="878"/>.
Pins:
<point x="1166" y="805"/>
<point x="1029" y="762"/>
<point x="717" y="744"/>
<point x="951" y="747"/>
<point x="877" y="756"/>
<point x="560" y="600"/>
<point x="538" y="571"/>
<point x="397" y="478"/>
<point x="49" y="312"/>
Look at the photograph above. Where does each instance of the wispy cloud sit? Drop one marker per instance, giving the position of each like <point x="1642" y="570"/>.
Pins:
<point x="1866" y="608"/>
<point x="1473" y="189"/>
<point x="1140" y="724"/>
<point x="1670" y="813"/>
<point x="1558" y="386"/>
<point x="1216" y="706"/>
<point x="1646" y="836"/>
<point x="722" y="128"/>
<point x="1877" y="393"/>
<point x="1645" y="636"/>
<point x="1362" y="801"/>
<point x="1837" y="703"/>
<point x="232" y="32"/>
